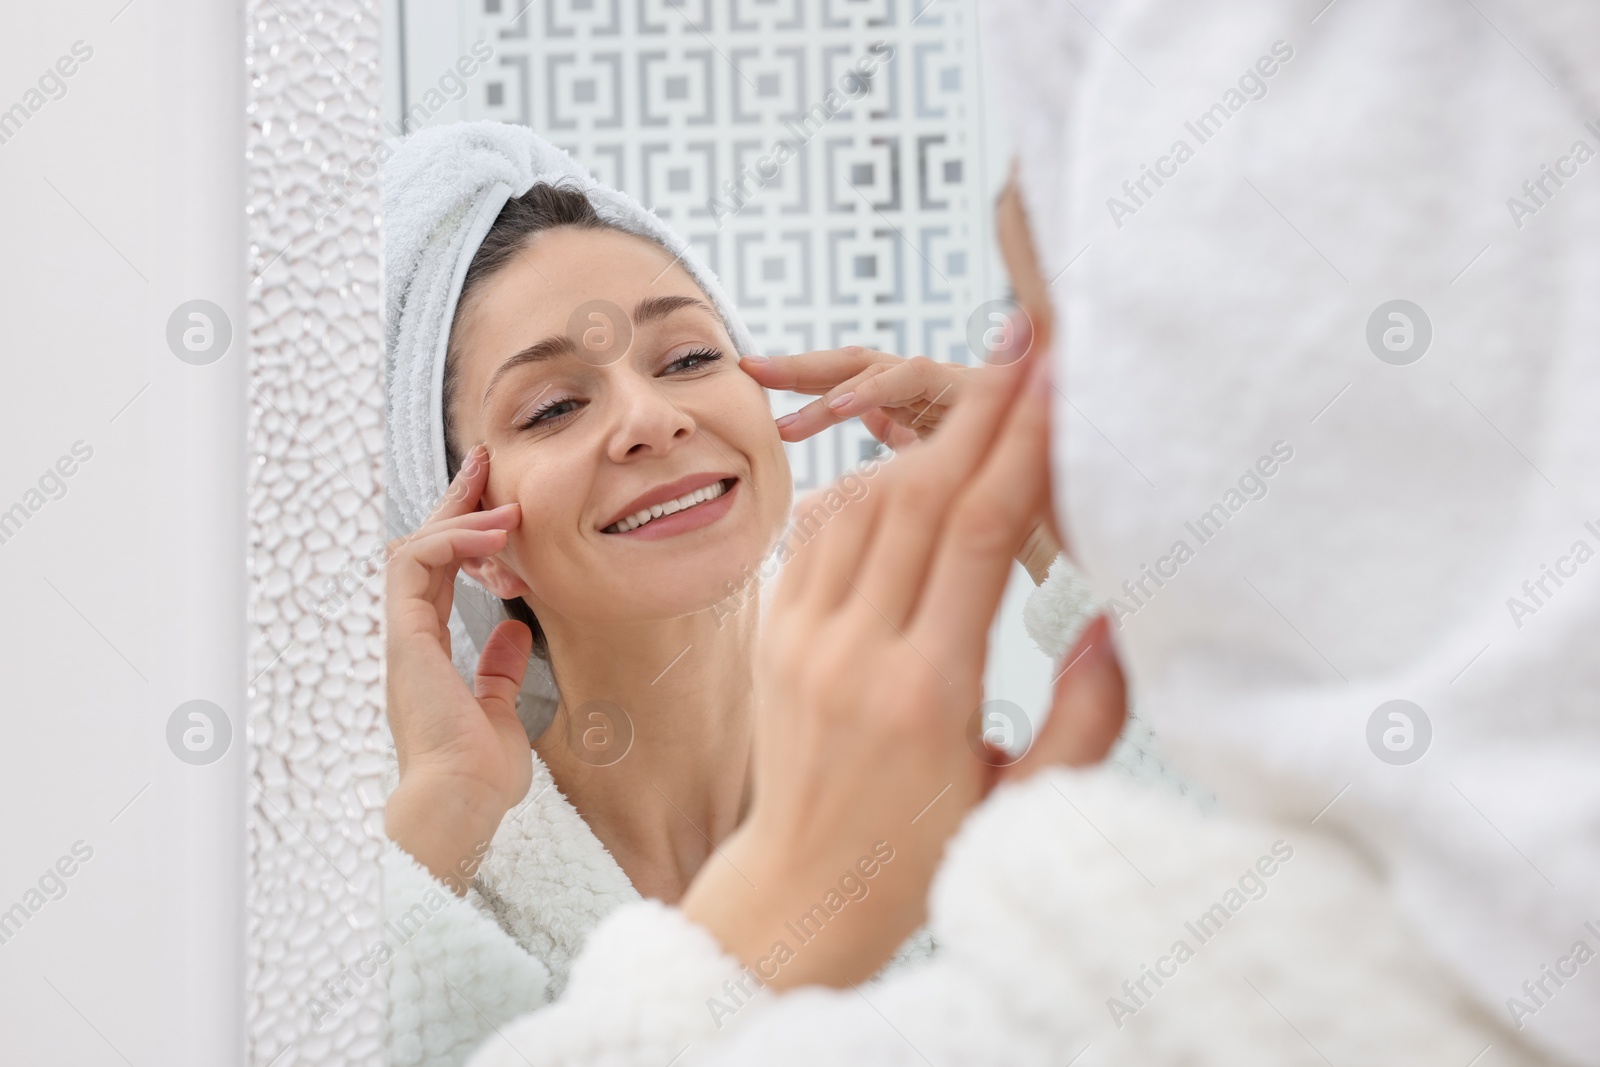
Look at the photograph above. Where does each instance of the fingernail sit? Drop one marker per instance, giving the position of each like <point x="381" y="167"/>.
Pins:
<point x="787" y="419"/>
<point x="840" y="400"/>
<point x="756" y="359"/>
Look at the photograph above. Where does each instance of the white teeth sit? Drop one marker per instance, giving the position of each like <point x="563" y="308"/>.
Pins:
<point x="655" y="511"/>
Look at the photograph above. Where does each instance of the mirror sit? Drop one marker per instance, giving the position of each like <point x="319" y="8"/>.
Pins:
<point x="820" y="175"/>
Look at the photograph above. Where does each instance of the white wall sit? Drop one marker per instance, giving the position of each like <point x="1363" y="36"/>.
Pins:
<point x="123" y="598"/>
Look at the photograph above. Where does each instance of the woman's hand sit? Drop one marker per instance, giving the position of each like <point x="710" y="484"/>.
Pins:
<point x="898" y="400"/>
<point x="464" y="756"/>
<point x="870" y="675"/>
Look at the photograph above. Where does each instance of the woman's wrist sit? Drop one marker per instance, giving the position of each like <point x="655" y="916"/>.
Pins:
<point x="826" y="921"/>
<point x="444" y="823"/>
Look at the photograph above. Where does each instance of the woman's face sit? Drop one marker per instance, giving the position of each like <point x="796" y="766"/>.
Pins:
<point x="591" y="432"/>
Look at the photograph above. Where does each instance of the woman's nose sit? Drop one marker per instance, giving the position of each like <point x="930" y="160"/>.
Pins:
<point x="645" y="420"/>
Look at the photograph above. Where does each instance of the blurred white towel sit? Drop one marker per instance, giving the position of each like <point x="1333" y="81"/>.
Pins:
<point x="1229" y="312"/>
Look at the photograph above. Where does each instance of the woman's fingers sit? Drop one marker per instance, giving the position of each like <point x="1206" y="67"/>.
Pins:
<point x="1089" y="709"/>
<point x="425" y="567"/>
<point x="823" y="412"/>
<point x="466" y="489"/>
<point x="812" y="372"/>
<point x="926" y="484"/>
<point x="880" y="426"/>
<point x="501" y="667"/>
<point x="423" y="545"/>
<point x="437" y="549"/>
<point x="918" y="383"/>
<point x="818" y="579"/>
<point x="883" y="539"/>
<point x="917" y="391"/>
<point x="888" y="429"/>
<point x="505" y="517"/>
<point x="988" y="522"/>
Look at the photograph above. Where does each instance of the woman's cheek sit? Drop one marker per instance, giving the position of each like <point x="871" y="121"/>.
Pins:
<point x="751" y="414"/>
<point x="757" y="435"/>
<point x="556" y="575"/>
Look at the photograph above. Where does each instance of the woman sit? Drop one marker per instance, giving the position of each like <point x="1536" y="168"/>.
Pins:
<point x="1065" y="904"/>
<point x="546" y="355"/>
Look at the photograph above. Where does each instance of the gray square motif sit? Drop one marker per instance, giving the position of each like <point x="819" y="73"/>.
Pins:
<point x="640" y="93"/>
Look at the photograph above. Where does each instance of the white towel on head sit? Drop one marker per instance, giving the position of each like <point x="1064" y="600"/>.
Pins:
<point x="443" y="189"/>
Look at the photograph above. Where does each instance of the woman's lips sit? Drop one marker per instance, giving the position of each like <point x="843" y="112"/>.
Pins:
<point x="692" y="518"/>
<point x="671" y="492"/>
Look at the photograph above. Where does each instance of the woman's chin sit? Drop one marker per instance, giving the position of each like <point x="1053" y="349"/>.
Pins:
<point x="718" y="578"/>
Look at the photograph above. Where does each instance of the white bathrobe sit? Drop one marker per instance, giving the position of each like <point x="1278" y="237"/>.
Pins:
<point x="1058" y="915"/>
<point x="462" y="967"/>
<point x="1409" y="548"/>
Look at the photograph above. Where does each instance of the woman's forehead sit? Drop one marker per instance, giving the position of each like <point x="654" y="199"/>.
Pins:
<point x="560" y="270"/>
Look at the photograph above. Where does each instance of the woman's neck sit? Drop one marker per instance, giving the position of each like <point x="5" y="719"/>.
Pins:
<point x="651" y="741"/>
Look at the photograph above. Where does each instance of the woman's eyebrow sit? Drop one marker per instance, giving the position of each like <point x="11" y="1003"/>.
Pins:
<point x="645" y="311"/>
<point x="657" y="307"/>
<point x="550" y="348"/>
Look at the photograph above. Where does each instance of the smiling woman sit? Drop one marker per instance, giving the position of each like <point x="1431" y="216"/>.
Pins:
<point x="539" y="389"/>
<point x="573" y="432"/>
<point x="608" y="479"/>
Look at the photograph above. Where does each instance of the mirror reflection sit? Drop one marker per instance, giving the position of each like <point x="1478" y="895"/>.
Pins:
<point x="960" y="512"/>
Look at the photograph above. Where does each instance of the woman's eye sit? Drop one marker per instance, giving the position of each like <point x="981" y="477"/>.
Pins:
<point x="694" y="360"/>
<point x="549" y="413"/>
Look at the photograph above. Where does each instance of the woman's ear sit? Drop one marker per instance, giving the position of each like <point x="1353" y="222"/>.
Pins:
<point x="493" y="574"/>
